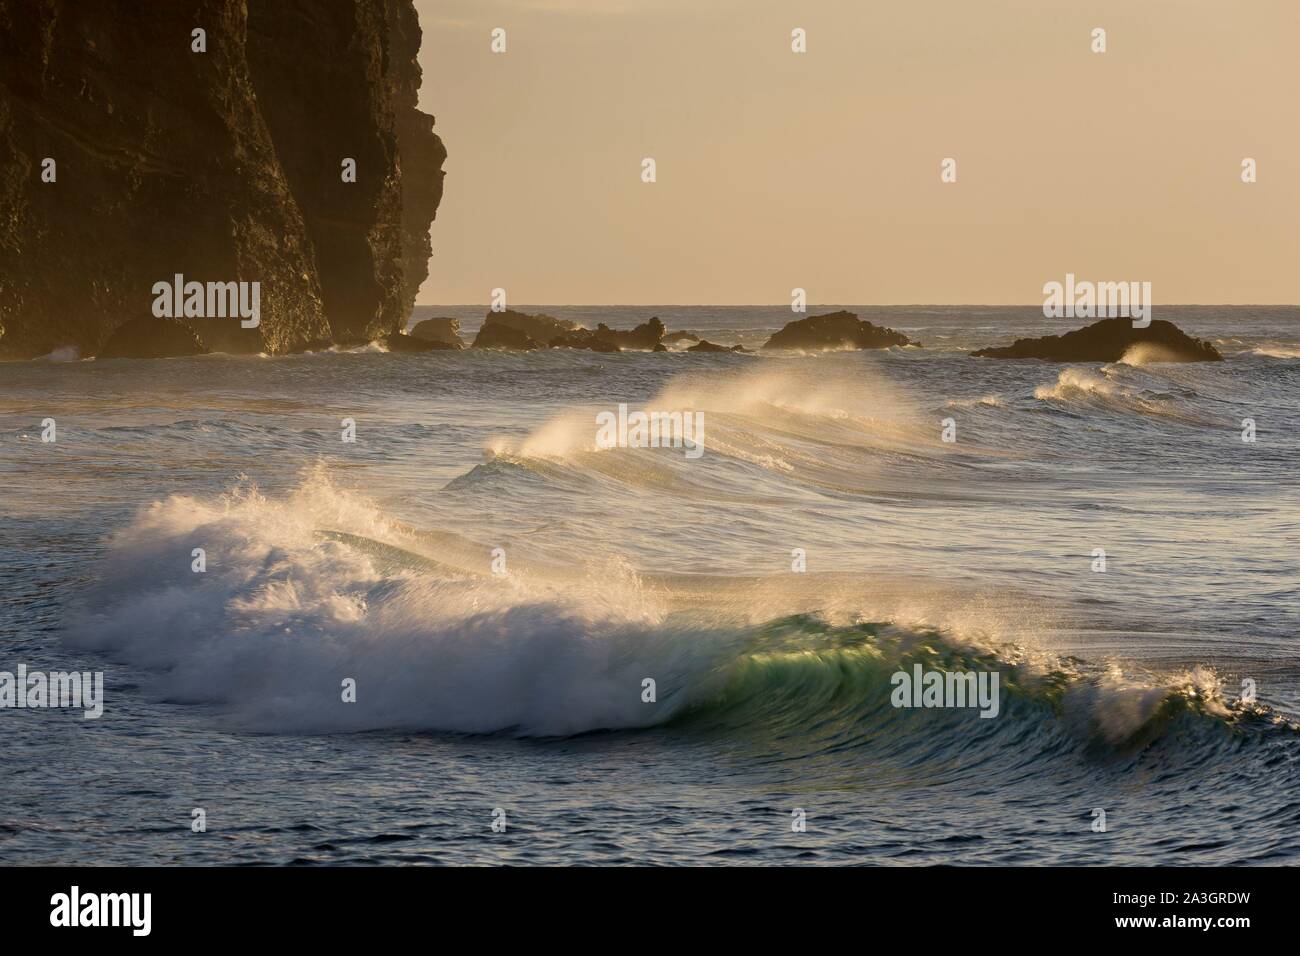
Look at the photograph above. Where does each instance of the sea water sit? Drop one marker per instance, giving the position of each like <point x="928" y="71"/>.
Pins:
<point x="498" y="586"/>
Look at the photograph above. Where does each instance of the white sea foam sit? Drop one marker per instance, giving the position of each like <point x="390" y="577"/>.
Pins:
<point x="1277" y="351"/>
<point x="282" y="616"/>
<point x="798" y="401"/>
<point x="987" y="401"/>
<point x="1148" y="353"/>
<point x="1106" y="388"/>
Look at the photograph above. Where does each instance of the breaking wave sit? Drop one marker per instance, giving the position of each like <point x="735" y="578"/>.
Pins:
<point x="303" y="593"/>
<point x="1108" y="388"/>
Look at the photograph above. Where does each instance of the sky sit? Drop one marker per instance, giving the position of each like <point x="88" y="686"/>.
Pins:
<point x="821" y="170"/>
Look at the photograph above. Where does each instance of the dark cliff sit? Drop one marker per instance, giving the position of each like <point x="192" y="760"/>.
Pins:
<point x="222" y="165"/>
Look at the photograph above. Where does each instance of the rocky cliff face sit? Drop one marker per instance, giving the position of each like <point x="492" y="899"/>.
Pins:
<point x="222" y="166"/>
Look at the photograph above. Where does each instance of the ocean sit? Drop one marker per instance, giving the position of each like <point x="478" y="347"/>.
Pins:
<point x="566" y="654"/>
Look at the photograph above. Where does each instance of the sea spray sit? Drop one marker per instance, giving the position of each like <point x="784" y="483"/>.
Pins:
<point x="654" y="429"/>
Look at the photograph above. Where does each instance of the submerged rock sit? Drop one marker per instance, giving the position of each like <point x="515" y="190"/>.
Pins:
<point x="501" y="336"/>
<point x="150" y="337"/>
<point x="835" y="330"/>
<point x="706" y="346"/>
<point x="441" y="329"/>
<point x="1108" y="341"/>
<point x="397" y="342"/>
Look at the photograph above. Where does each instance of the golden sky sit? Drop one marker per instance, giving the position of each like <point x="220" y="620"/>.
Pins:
<point x="821" y="170"/>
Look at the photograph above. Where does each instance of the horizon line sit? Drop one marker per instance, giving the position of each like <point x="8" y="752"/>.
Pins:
<point x="873" y="305"/>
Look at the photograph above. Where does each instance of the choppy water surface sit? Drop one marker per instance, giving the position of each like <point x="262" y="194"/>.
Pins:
<point x="372" y="560"/>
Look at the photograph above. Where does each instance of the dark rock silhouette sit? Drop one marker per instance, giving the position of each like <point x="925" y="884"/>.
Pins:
<point x="222" y="165"/>
<point x="706" y="346"/>
<point x="604" y="339"/>
<point x="835" y="330"/>
<point x="399" y="342"/>
<point x="341" y="80"/>
<point x="151" y="337"/>
<point x="1107" y="341"/>
<point x="445" y="330"/>
<point x="545" y="331"/>
<point x="540" y="328"/>
<point x="584" y="339"/>
<point x="645" y="336"/>
<point x="501" y="336"/>
<point x="419" y="148"/>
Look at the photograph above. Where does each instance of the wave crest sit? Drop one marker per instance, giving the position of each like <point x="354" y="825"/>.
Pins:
<point x="284" y="614"/>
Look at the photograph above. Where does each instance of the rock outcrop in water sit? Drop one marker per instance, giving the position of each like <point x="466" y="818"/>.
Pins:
<point x="1108" y="341"/>
<point x="704" y="345"/>
<point x="540" y="328"/>
<point x="223" y="165"/>
<point x="835" y="330"/>
<point x="521" y="331"/>
<point x="502" y="336"/>
<point x="440" y="329"/>
<point x="644" y="337"/>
